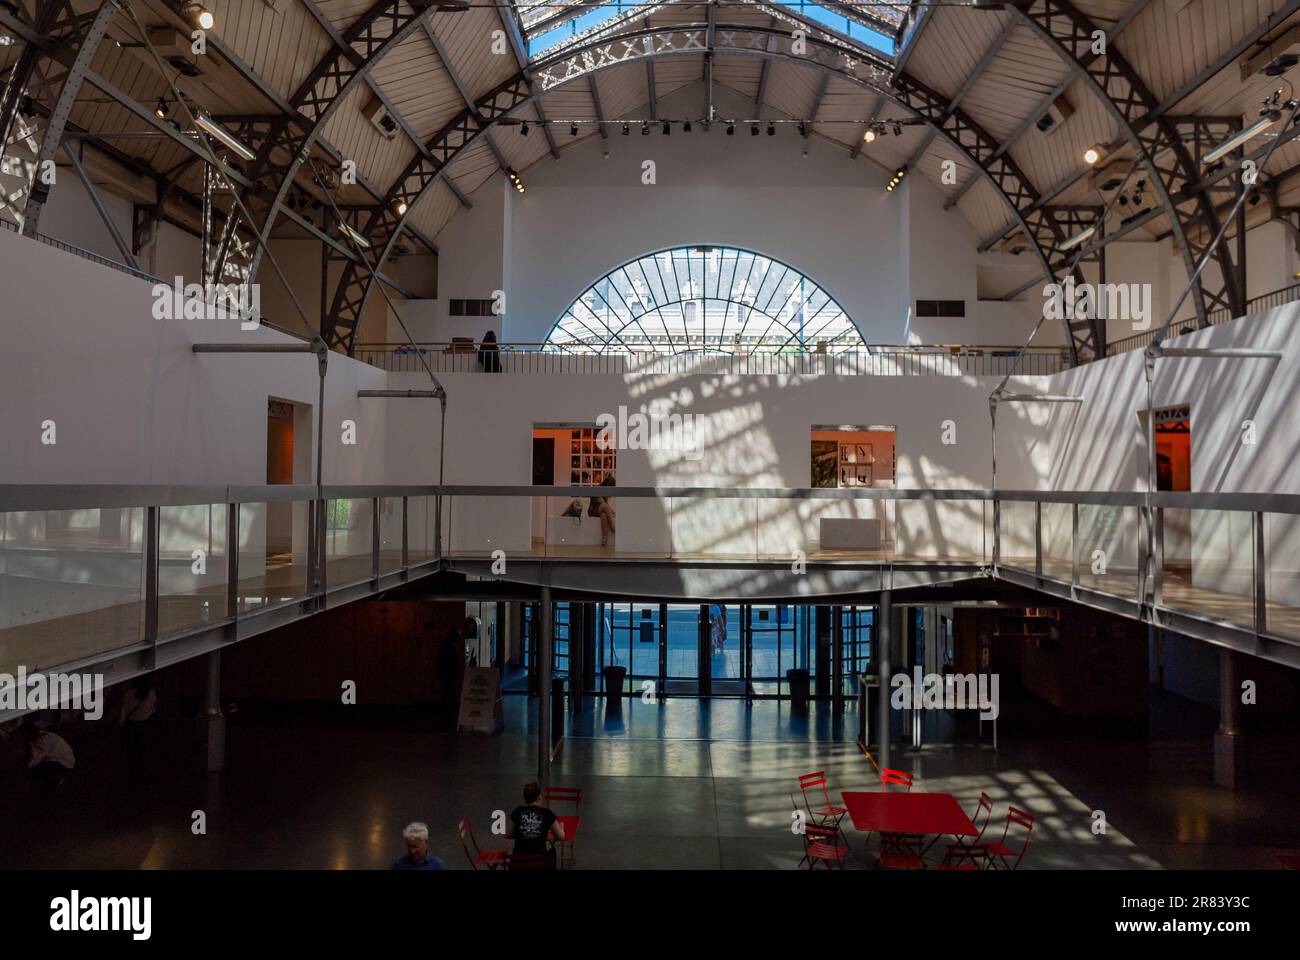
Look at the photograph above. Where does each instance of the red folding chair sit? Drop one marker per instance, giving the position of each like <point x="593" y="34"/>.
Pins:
<point x="492" y="859"/>
<point x="999" y="855"/>
<point x="825" y="814"/>
<point x="897" y="778"/>
<point x="571" y="822"/>
<point x="821" y="844"/>
<point x="980" y="819"/>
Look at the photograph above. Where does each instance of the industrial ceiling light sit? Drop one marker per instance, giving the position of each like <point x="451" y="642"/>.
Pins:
<point x="898" y="129"/>
<point x="162" y="109"/>
<point x="870" y="135"/>
<point x="1237" y="139"/>
<point x="523" y="129"/>
<point x="200" y="15"/>
<point x="668" y="129"/>
<point x="515" y="180"/>
<point x="731" y="129"/>
<point x="626" y="130"/>
<point x="573" y="129"/>
<point x="753" y="129"/>
<point x="1077" y="239"/>
<point x="771" y="129"/>
<point x="645" y="129"/>
<point x="356" y="238"/>
<point x="218" y="132"/>
<point x="686" y="127"/>
<point x="803" y="129"/>
<point x="401" y="208"/>
<point x="1092" y="155"/>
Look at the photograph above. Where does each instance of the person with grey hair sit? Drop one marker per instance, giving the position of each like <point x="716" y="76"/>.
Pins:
<point x="417" y="856"/>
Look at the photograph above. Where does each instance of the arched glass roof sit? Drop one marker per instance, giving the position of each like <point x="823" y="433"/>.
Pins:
<point x="711" y="299"/>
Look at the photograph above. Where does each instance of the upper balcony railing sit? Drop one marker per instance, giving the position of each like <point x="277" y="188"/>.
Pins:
<point x="1140" y="341"/>
<point x="121" y="579"/>
<point x="883" y="360"/>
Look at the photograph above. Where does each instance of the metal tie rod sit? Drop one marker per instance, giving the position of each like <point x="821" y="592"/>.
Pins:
<point x="255" y="348"/>
<point x="1037" y="398"/>
<point x="1243" y="353"/>
<point x="432" y="394"/>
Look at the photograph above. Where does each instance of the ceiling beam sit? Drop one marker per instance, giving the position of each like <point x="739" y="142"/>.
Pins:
<point x="462" y="90"/>
<point x="600" y="111"/>
<point x="910" y="41"/>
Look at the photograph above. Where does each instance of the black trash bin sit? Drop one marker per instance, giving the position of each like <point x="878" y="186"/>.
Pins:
<point x="614" y="677"/>
<point x="798" y="681"/>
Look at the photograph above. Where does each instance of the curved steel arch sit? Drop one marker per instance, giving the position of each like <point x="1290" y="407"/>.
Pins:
<point x="1130" y="102"/>
<point x="340" y="325"/>
<point x="836" y="321"/>
<point x="44" y="83"/>
<point x="284" y="147"/>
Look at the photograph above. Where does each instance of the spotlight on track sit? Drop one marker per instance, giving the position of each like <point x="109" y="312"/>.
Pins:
<point x="753" y="129"/>
<point x="573" y="129"/>
<point x="897" y="178"/>
<point x="200" y="15"/>
<point x="523" y="129"/>
<point x="162" y="109"/>
<point x="898" y="129"/>
<point x="401" y="208"/>
<point x="626" y="130"/>
<point x="731" y="129"/>
<point x="771" y="129"/>
<point x="870" y="135"/>
<point x="1093" y="154"/>
<point x="803" y="129"/>
<point x="645" y="129"/>
<point x="668" y="129"/>
<point x="686" y="127"/>
<point x="515" y="180"/>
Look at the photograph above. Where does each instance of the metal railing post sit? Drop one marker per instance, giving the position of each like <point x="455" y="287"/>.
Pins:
<point x="1260" y="572"/>
<point x="406" y="539"/>
<point x="1038" y="538"/>
<point x="151" y="580"/>
<point x="1074" y="545"/>
<point x="1158" y="565"/>
<point x="232" y="567"/>
<point x="374" y="537"/>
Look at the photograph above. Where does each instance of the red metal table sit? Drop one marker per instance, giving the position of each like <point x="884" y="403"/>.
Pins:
<point x="895" y="814"/>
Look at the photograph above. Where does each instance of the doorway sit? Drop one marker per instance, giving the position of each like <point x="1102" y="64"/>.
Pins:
<point x="279" y="470"/>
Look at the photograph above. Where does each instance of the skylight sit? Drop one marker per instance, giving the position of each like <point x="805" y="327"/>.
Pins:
<point x="549" y="23"/>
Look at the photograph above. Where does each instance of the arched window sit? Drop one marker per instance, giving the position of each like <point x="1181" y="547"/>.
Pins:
<point x="704" y="299"/>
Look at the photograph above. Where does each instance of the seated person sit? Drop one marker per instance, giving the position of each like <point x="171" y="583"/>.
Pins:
<point x="530" y="824"/>
<point x="417" y="856"/>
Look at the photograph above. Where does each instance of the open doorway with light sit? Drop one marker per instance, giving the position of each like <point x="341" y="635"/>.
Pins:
<point x="845" y="456"/>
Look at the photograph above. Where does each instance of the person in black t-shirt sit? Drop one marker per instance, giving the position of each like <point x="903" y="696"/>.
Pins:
<point x="530" y="824"/>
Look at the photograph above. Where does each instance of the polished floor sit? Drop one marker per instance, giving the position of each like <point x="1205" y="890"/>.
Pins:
<point x="684" y="783"/>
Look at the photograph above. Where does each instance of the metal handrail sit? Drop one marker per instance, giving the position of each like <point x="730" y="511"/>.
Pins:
<point x="1264" y="301"/>
<point x="87" y="496"/>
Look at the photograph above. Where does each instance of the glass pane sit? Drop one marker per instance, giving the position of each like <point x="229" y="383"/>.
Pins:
<point x="390" y="534"/>
<point x="192" y="566"/>
<point x="272" y="552"/>
<point x="1282" y="557"/>
<point x="1017" y="545"/>
<point x="1216" y="579"/>
<point x="71" y="585"/>
<point x="1108" y="548"/>
<point x="349" y="541"/>
<point x="1058" y="540"/>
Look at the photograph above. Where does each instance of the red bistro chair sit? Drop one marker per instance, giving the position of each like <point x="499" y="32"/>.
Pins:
<point x="821" y="844"/>
<point x="571" y="822"/>
<point x="897" y="778"/>
<point x="492" y="859"/>
<point x="983" y="813"/>
<point x="1000" y="856"/>
<point x="825" y="813"/>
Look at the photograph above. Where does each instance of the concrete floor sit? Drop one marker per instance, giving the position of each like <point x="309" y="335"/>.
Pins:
<point x="684" y="784"/>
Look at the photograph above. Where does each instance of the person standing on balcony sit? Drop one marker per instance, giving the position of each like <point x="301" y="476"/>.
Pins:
<point x="489" y="356"/>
